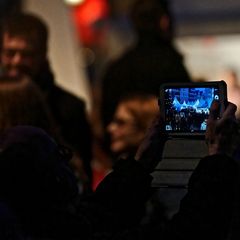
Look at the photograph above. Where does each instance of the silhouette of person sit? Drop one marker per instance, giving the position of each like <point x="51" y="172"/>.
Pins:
<point x="152" y="61"/>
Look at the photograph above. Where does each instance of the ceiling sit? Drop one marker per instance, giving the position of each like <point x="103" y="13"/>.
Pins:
<point x="194" y="17"/>
<point x="198" y="17"/>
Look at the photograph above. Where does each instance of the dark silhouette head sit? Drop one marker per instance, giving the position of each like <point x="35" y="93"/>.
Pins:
<point x="34" y="173"/>
<point x="152" y="17"/>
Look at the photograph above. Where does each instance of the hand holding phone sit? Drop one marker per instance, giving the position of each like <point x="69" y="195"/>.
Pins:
<point x="222" y="134"/>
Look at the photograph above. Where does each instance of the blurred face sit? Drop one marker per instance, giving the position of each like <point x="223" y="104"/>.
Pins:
<point x="19" y="56"/>
<point x="123" y="131"/>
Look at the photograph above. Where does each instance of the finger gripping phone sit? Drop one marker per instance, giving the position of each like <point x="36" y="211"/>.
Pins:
<point x="185" y="107"/>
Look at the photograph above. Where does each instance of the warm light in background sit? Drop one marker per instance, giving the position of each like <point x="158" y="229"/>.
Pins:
<point x="74" y="2"/>
<point x="88" y="17"/>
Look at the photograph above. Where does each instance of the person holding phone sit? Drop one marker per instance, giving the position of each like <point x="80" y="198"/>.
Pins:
<point x="52" y="209"/>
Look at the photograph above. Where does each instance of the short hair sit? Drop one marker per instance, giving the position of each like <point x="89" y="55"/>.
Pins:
<point x="29" y="26"/>
<point x="145" y="16"/>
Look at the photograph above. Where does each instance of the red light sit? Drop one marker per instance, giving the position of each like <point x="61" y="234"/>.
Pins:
<point x="86" y="15"/>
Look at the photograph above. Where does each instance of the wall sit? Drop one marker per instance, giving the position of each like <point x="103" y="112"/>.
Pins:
<point x="64" y="49"/>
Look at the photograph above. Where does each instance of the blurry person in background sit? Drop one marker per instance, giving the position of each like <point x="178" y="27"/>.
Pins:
<point x="132" y="117"/>
<point x="152" y="61"/>
<point x="24" y="50"/>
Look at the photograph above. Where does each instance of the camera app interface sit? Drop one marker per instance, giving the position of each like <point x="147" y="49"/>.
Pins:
<point x="187" y="109"/>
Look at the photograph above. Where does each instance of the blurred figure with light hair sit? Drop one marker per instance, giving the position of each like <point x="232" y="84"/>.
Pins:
<point x="132" y="117"/>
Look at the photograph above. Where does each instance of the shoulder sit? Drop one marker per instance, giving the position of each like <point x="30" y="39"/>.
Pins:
<point x="125" y="58"/>
<point x="65" y="105"/>
<point x="62" y="96"/>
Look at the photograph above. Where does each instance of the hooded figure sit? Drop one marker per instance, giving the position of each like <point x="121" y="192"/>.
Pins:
<point x="36" y="183"/>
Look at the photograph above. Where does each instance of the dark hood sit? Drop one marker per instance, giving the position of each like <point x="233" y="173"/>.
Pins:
<point x="33" y="172"/>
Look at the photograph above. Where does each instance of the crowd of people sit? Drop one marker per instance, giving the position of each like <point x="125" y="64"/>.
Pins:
<point x="48" y="144"/>
<point x="39" y="196"/>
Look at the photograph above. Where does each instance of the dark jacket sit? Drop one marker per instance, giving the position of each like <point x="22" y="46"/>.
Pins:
<point x="70" y="114"/>
<point x="142" y="68"/>
<point x="206" y="212"/>
<point x="115" y="209"/>
<point x="39" y="197"/>
<point x="207" y="209"/>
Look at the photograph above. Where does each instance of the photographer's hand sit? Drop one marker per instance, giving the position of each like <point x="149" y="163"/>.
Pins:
<point x="221" y="132"/>
<point x="150" y="150"/>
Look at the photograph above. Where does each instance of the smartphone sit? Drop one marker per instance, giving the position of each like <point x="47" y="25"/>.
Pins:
<point x="185" y="107"/>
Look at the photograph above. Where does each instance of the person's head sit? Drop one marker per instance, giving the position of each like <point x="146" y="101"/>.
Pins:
<point x="23" y="103"/>
<point x="23" y="45"/>
<point x="152" y="17"/>
<point x="132" y="117"/>
<point x="34" y="173"/>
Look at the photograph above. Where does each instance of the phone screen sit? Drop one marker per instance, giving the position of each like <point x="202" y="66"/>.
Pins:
<point x="186" y="109"/>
